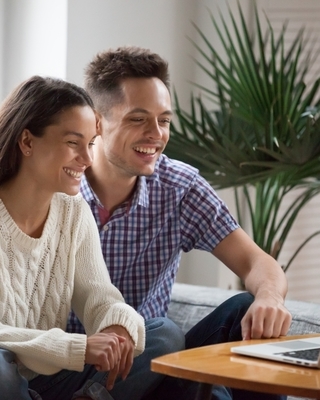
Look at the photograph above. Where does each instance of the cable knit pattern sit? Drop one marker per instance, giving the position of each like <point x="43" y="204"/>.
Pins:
<point x="42" y="279"/>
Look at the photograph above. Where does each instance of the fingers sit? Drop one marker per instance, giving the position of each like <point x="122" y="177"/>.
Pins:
<point x="123" y="366"/>
<point x="112" y="376"/>
<point x="246" y="327"/>
<point x="126" y="362"/>
<point x="263" y="321"/>
<point x="127" y="349"/>
<point x="110" y="352"/>
<point x="103" y="351"/>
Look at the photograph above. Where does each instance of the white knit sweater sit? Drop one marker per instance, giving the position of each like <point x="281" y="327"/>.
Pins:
<point x="42" y="279"/>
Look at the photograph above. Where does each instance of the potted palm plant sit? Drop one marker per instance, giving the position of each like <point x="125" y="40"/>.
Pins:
<point x="257" y="129"/>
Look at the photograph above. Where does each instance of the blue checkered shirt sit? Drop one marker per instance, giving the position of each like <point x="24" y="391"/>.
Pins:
<point x="172" y="210"/>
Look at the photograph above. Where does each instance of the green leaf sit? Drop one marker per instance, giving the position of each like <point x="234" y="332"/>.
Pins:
<point x="257" y="127"/>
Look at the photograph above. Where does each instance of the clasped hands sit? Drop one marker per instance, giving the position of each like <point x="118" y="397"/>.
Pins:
<point x="111" y="350"/>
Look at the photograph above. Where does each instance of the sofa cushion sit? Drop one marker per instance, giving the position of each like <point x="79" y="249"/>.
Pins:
<point x="190" y="303"/>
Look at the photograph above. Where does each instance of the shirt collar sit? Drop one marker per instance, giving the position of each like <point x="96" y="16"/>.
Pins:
<point x="87" y="191"/>
<point x="141" y="193"/>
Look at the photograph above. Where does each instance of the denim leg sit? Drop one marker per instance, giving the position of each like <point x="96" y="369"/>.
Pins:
<point x="246" y="395"/>
<point x="162" y="337"/>
<point x="65" y="383"/>
<point x="220" y="326"/>
<point x="139" y="381"/>
<point x="13" y="385"/>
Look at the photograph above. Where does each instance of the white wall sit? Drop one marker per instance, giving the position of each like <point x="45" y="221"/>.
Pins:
<point x="34" y="40"/>
<point x="161" y="25"/>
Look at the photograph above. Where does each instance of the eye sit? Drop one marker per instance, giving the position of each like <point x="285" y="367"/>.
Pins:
<point x="72" y="143"/>
<point x="165" y="121"/>
<point x="91" y="144"/>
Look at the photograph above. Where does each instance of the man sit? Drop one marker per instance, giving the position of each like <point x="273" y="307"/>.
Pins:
<point x="149" y="208"/>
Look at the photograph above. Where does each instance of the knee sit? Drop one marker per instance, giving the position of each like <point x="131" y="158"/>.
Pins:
<point x="240" y="303"/>
<point x="165" y="334"/>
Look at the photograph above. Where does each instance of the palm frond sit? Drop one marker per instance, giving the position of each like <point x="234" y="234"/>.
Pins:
<point x="257" y="125"/>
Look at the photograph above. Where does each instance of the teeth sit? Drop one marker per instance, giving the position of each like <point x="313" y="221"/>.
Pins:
<point x="73" y="173"/>
<point x="145" y="150"/>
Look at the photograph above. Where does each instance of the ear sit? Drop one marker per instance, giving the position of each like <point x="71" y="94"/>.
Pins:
<point x="98" y="123"/>
<point x="25" y="142"/>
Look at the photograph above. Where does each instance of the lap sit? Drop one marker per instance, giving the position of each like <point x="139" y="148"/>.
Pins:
<point x="222" y="325"/>
<point x="139" y="381"/>
<point x="12" y="384"/>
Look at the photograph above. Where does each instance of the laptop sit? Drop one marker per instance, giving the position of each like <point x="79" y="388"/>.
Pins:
<point x="304" y="352"/>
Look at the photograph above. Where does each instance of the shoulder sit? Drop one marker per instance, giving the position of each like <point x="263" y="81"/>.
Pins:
<point x="73" y="206"/>
<point x="170" y="172"/>
<point x="64" y="200"/>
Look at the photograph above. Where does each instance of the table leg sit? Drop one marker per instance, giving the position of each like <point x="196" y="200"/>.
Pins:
<point x="204" y="391"/>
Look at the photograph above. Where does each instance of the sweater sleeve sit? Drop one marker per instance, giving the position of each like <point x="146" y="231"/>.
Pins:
<point x="96" y="301"/>
<point x="45" y="352"/>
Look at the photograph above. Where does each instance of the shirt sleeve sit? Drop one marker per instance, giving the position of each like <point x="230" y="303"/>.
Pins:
<point x="205" y="218"/>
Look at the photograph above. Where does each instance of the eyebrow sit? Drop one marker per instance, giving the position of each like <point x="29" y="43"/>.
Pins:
<point x="71" y="133"/>
<point x="144" y="111"/>
<point x="79" y="135"/>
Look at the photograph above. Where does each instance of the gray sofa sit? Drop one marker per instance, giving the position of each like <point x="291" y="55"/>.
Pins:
<point x="190" y="303"/>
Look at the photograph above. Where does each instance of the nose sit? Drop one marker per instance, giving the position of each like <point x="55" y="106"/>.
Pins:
<point x="154" y="130"/>
<point x="86" y="156"/>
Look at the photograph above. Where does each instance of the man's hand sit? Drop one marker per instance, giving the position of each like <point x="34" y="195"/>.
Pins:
<point x="266" y="317"/>
<point x="124" y="365"/>
<point x="111" y="350"/>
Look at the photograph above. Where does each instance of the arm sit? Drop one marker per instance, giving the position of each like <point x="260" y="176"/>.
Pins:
<point x="264" y="278"/>
<point x="96" y="301"/>
<point x="116" y="331"/>
<point x="45" y="351"/>
<point x="207" y="224"/>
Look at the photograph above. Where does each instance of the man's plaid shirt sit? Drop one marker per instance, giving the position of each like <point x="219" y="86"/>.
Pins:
<point x="172" y="210"/>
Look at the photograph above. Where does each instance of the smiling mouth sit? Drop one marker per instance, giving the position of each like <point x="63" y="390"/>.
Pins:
<point x="145" y="150"/>
<point x="74" y="174"/>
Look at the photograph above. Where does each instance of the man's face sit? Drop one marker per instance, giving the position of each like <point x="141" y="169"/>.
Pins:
<point x="135" y="131"/>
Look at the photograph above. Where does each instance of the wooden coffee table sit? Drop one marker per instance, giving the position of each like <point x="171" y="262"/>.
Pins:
<point x="215" y="364"/>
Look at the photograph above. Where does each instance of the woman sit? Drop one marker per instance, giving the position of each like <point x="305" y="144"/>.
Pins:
<point x="50" y="253"/>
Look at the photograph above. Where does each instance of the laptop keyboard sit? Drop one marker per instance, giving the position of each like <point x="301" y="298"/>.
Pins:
<point x="311" y="354"/>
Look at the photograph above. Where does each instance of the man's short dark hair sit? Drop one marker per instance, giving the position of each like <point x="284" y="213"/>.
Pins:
<point x="105" y="73"/>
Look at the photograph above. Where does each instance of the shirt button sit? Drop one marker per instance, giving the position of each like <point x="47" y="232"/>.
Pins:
<point x="105" y="228"/>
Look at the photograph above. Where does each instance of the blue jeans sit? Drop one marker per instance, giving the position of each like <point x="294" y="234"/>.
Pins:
<point x="220" y="326"/>
<point x="67" y="385"/>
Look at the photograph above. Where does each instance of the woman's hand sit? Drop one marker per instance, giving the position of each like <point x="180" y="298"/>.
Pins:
<point x="111" y="350"/>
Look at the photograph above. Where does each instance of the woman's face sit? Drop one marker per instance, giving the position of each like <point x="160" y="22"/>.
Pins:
<point x="58" y="159"/>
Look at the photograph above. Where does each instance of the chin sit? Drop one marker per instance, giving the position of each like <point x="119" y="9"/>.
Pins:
<point x="147" y="172"/>
<point x="71" y="192"/>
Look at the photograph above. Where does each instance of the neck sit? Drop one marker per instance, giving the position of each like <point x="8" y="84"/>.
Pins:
<point x="27" y="206"/>
<point x="110" y="189"/>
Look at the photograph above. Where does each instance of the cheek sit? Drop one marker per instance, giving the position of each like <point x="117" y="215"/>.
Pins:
<point x="166" y="135"/>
